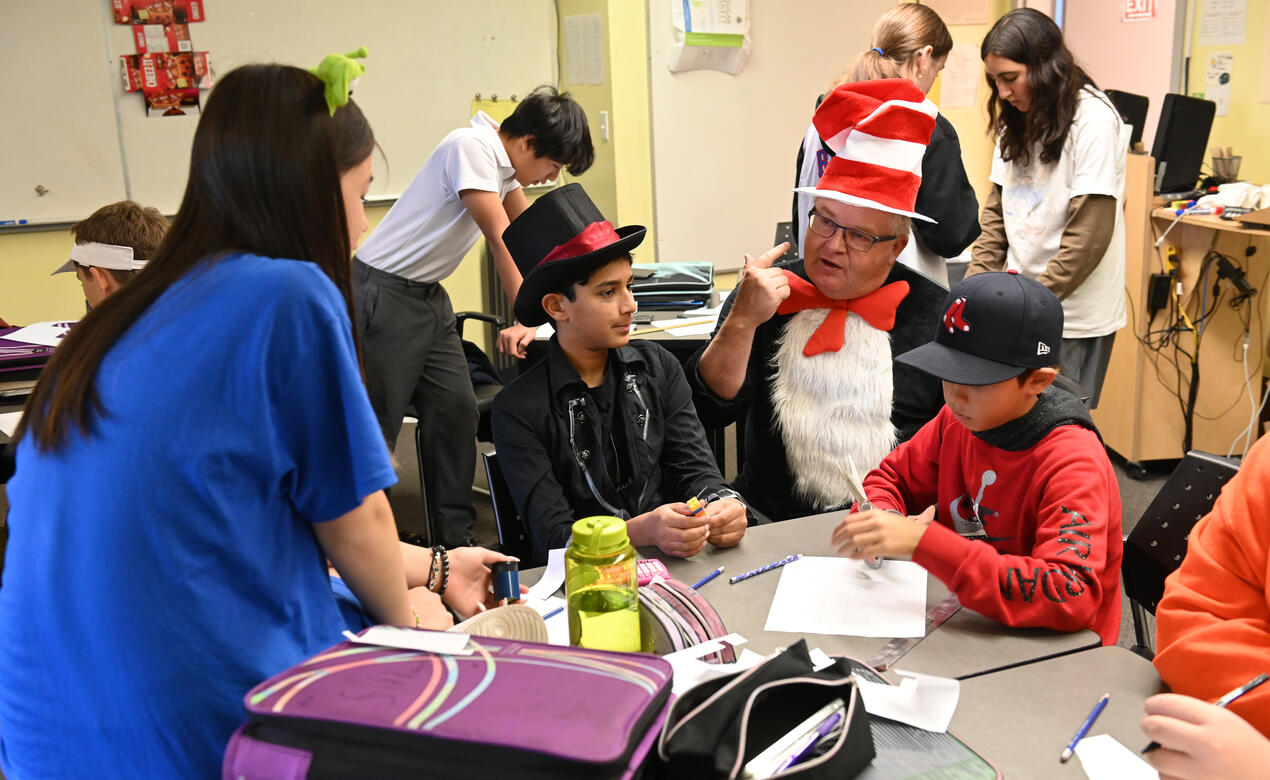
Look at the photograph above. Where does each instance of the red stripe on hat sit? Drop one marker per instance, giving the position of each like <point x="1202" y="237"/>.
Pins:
<point x="596" y="235"/>
<point x="900" y="124"/>
<point x="885" y="186"/>
<point x="849" y="104"/>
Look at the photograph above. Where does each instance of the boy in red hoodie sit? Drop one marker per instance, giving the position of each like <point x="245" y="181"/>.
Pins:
<point x="1021" y="508"/>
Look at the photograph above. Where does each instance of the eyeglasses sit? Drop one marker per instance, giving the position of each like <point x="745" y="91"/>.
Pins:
<point x="857" y="240"/>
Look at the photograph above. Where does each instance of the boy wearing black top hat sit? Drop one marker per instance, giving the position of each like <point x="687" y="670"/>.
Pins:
<point x="1019" y="507"/>
<point x="603" y="425"/>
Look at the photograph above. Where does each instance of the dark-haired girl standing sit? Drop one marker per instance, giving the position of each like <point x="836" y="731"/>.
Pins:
<point x="1058" y="174"/>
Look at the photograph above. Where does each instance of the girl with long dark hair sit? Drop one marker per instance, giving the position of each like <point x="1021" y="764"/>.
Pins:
<point x="195" y="451"/>
<point x="1054" y="211"/>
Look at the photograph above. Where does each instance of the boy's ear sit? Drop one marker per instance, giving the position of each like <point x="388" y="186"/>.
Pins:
<point x="104" y="280"/>
<point x="555" y="306"/>
<point x="1040" y="379"/>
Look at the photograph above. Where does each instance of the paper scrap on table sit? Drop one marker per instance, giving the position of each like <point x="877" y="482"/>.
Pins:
<point x="819" y="659"/>
<point x="842" y="596"/>
<point x="689" y="670"/>
<point x="552" y="577"/>
<point x="557" y="624"/>
<point x="9" y="422"/>
<point x="1104" y="758"/>
<point x="920" y="700"/>
<point x="49" y="334"/>
<point x="442" y="642"/>
<point x="546" y="330"/>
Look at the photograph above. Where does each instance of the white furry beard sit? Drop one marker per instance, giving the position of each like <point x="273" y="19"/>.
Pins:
<point x="833" y="409"/>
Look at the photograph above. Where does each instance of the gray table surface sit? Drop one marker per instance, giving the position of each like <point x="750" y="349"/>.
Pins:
<point x="1021" y="719"/>
<point x="967" y="644"/>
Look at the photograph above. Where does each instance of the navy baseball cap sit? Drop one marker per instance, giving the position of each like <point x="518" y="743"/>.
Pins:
<point x="995" y="326"/>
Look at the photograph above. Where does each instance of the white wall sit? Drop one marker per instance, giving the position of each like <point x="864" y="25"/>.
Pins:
<point x="724" y="146"/>
<point x="1137" y="57"/>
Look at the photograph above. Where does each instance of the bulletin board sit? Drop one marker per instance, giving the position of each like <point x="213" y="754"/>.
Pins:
<point x="72" y="131"/>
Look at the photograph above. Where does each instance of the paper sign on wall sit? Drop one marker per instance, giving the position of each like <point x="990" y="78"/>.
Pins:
<point x="1138" y="10"/>
<point x="710" y="35"/>
<point x="1217" y="75"/>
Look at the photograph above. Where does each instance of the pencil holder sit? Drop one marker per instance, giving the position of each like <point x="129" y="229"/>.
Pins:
<point x="1227" y="167"/>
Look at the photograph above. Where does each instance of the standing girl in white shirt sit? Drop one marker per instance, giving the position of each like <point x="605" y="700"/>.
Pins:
<point x="1054" y="211"/>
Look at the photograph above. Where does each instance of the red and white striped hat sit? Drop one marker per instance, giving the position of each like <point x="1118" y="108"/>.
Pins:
<point x="878" y="132"/>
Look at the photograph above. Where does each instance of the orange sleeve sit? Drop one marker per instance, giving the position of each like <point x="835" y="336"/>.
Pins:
<point x="1213" y="624"/>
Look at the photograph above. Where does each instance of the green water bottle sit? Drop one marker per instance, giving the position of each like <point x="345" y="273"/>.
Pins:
<point x="599" y="582"/>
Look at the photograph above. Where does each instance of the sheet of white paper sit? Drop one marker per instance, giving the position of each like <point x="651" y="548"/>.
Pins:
<point x="557" y="624"/>
<point x="689" y="671"/>
<point x="584" y="37"/>
<point x="552" y="578"/>
<point x="1222" y="22"/>
<point x="9" y="422"/>
<point x="443" y="642"/>
<point x="1104" y="758"/>
<point x="545" y="330"/>
<point x="49" y="334"/>
<point x="920" y="700"/>
<point x="680" y="327"/>
<point x="842" y="596"/>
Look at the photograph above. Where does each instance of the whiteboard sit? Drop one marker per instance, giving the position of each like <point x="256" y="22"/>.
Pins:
<point x="57" y="121"/>
<point x="428" y="59"/>
<point x="724" y="146"/>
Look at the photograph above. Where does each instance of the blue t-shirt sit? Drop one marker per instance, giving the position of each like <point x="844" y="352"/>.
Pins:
<point x="161" y="566"/>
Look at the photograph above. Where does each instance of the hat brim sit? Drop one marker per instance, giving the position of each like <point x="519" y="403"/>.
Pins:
<point x="959" y="367"/>
<point x="547" y="277"/>
<point x="853" y="200"/>
<point x="66" y="267"/>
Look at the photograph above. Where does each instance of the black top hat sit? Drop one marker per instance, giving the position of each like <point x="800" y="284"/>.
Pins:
<point x="555" y="239"/>
<point x="995" y="326"/>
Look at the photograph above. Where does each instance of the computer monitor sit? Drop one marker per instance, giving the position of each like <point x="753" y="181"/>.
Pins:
<point x="1134" y="110"/>
<point x="1180" y="142"/>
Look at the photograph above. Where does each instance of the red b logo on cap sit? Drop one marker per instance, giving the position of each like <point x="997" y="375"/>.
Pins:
<point x="953" y="319"/>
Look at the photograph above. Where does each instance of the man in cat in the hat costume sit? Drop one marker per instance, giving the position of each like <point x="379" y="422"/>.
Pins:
<point x="804" y="350"/>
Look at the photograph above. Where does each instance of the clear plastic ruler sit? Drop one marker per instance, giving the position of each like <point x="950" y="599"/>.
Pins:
<point x="895" y="649"/>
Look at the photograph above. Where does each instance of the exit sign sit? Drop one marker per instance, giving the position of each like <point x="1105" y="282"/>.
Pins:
<point x="1138" y="10"/>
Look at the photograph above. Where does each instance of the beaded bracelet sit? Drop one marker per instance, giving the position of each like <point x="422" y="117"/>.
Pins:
<point x="445" y="569"/>
<point x="434" y="570"/>
<point x="415" y="612"/>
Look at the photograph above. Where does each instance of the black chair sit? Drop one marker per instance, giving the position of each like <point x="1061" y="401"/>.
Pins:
<point x="1157" y="544"/>
<point x="513" y="537"/>
<point x="486" y="382"/>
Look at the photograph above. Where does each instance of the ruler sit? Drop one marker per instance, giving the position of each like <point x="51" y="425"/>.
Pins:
<point x="895" y="649"/>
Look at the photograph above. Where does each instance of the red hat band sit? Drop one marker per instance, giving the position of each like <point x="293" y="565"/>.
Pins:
<point x="593" y="237"/>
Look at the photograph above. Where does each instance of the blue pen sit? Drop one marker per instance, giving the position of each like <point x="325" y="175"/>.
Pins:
<point x="1070" y="750"/>
<point x="8" y="222"/>
<point x="761" y="569"/>
<point x="809" y="742"/>
<point x="552" y="613"/>
<point x="708" y="577"/>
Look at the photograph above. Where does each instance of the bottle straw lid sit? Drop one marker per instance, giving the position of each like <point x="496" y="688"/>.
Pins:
<point x="600" y="535"/>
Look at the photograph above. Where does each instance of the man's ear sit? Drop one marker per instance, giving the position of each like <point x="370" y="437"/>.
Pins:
<point x="1040" y="379"/>
<point x="899" y="243"/>
<point x="555" y="304"/>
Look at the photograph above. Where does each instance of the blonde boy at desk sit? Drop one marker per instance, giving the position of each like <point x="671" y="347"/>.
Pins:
<point x="111" y="245"/>
<point x="1021" y="509"/>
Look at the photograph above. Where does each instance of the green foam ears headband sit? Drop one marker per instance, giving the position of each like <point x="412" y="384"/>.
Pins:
<point x="339" y="72"/>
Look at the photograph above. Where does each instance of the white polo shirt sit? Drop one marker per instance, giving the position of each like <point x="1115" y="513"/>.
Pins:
<point x="1034" y="203"/>
<point x="427" y="232"/>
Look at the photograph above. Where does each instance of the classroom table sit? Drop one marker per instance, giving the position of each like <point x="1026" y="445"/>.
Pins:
<point x="1021" y="719"/>
<point x="967" y="644"/>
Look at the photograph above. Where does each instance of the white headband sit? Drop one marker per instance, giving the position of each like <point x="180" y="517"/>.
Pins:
<point x="112" y="256"/>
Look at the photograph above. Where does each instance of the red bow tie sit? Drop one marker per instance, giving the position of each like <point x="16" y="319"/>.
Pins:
<point x="877" y="308"/>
